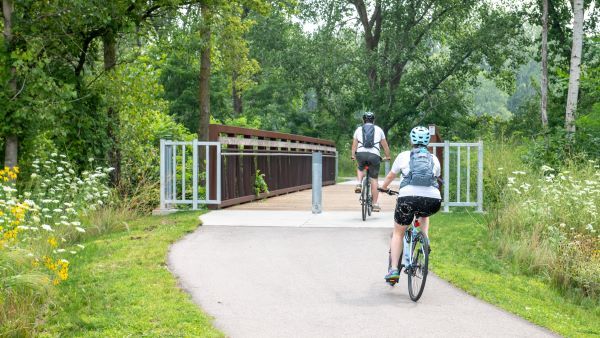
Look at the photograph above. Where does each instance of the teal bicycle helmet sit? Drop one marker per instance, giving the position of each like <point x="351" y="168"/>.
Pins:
<point x="420" y="136"/>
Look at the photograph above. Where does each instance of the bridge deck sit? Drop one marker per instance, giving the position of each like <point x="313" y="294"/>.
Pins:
<point x="339" y="197"/>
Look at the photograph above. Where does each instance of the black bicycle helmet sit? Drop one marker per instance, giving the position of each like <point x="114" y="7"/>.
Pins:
<point x="368" y="116"/>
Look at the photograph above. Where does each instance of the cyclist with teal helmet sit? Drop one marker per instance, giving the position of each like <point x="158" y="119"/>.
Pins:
<point x="366" y="143"/>
<point x="419" y="195"/>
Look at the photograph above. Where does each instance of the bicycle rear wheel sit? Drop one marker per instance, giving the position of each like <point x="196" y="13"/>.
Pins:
<point x="365" y="198"/>
<point x="417" y="275"/>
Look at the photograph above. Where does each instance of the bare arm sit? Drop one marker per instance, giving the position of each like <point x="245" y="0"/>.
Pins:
<point x="386" y="149"/>
<point x="388" y="179"/>
<point x="354" y="147"/>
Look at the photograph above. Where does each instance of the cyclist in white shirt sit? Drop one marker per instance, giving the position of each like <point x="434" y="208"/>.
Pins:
<point x="419" y="194"/>
<point x="366" y="143"/>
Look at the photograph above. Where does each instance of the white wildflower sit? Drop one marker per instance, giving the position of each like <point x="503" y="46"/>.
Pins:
<point x="47" y="227"/>
<point x="80" y="246"/>
<point x="80" y="229"/>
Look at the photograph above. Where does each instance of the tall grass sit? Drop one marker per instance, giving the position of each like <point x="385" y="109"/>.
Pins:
<point x="546" y="219"/>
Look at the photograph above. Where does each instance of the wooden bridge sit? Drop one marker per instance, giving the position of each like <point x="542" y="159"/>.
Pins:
<point x="223" y="172"/>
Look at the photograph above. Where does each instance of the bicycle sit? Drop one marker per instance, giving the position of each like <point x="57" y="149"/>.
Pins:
<point x="418" y="263"/>
<point x="366" y="200"/>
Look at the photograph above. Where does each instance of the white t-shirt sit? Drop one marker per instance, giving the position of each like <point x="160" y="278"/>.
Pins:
<point x="379" y="135"/>
<point x="402" y="165"/>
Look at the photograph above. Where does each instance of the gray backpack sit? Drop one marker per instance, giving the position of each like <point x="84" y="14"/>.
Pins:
<point x="420" y="170"/>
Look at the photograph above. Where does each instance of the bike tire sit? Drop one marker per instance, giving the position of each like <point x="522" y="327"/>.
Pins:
<point x="369" y="197"/>
<point x="364" y="199"/>
<point x="417" y="277"/>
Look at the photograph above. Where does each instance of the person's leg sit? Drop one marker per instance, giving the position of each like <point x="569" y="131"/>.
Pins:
<point x="424" y="221"/>
<point x="396" y="244"/>
<point x="374" y="173"/>
<point x="374" y="191"/>
<point x="359" y="176"/>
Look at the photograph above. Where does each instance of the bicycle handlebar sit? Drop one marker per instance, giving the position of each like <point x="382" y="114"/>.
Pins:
<point x="389" y="191"/>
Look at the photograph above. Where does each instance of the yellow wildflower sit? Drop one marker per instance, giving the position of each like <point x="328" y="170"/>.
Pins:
<point x="52" y="241"/>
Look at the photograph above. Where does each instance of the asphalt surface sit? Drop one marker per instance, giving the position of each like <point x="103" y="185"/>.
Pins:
<point x="308" y="278"/>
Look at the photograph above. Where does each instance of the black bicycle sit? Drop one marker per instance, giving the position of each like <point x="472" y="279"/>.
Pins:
<point x="366" y="199"/>
<point x="418" y="261"/>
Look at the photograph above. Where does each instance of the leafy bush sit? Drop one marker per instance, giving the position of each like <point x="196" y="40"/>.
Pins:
<point x="260" y="185"/>
<point x="40" y="226"/>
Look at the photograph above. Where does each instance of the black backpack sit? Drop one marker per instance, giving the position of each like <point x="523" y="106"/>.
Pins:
<point x="368" y="134"/>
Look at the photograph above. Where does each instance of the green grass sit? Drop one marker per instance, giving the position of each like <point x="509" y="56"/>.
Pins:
<point x="464" y="254"/>
<point x="120" y="287"/>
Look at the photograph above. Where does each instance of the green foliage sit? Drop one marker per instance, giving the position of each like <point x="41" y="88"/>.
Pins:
<point x="260" y="185"/>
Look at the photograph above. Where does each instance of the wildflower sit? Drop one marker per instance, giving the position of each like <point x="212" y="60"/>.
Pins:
<point x="52" y="241"/>
<point x="546" y="168"/>
<point x="47" y="227"/>
<point x="80" y="229"/>
<point x="589" y="227"/>
<point x="81" y="246"/>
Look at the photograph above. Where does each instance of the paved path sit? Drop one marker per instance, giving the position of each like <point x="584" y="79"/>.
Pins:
<point x="292" y="274"/>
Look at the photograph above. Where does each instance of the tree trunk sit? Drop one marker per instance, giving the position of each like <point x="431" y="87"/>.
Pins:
<point x="236" y="96"/>
<point x="544" y="87"/>
<point x="575" y="66"/>
<point x="11" y="150"/>
<point x="204" y="86"/>
<point x="109" y="44"/>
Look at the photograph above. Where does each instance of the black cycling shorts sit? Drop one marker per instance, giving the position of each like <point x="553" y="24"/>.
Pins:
<point x="409" y="207"/>
<point x="370" y="159"/>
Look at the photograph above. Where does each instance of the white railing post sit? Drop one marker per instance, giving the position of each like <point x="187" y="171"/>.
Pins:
<point x="317" y="181"/>
<point x="446" y="176"/>
<point x="458" y="174"/>
<point x="162" y="175"/>
<point x="195" y="174"/>
<point x="480" y="177"/>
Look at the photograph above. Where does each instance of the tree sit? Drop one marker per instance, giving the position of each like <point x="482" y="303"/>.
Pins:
<point x="205" y="65"/>
<point x="12" y="141"/>
<point x="544" y="84"/>
<point x="574" y="72"/>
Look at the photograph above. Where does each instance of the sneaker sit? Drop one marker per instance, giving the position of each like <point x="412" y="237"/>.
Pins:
<point x="358" y="188"/>
<point x="392" y="277"/>
<point x="376" y="208"/>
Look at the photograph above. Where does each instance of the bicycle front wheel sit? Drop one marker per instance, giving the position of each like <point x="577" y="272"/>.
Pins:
<point x="417" y="274"/>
